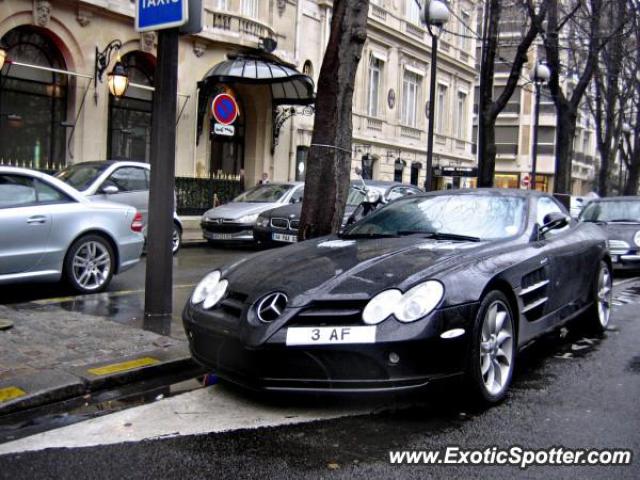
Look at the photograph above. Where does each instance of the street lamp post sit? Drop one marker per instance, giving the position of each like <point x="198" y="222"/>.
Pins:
<point x="541" y="75"/>
<point x="434" y="15"/>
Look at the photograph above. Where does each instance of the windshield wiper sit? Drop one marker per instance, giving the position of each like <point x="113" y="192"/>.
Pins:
<point x="441" y="235"/>
<point x="623" y="220"/>
<point x="599" y="222"/>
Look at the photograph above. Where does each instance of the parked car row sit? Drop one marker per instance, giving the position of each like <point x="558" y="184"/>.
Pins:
<point x="270" y="214"/>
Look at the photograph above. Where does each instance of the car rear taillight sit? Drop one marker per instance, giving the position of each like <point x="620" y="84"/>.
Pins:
<point x="136" y="225"/>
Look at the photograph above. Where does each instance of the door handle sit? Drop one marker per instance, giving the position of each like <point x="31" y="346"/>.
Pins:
<point x="37" y="219"/>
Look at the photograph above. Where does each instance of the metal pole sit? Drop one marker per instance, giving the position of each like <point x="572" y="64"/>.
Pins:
<point x="432" y="96"/>
<point x="158" y="286"/>
<point x="536" y="119"/>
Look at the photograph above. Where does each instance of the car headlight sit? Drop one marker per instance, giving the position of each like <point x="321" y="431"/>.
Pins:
<point x="408" y="307"/>
<point x="210" y="290"/>
<point x="381" y="306"/>
<point x="248" y="218"/>
<point x="636" y="238"/>
<point x="262" y="222"/>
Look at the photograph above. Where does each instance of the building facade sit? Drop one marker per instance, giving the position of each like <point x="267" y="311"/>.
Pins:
<point x="515" y="125"/>
<point x="55" y="110"/>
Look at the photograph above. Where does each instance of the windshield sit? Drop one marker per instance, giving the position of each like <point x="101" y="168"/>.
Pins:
<point x="481" y="217"/>
<point x="268" y="193"/>
<point x="616" y="211"/>
<point x="81" y="176"/>
<point x="356" y="195"/>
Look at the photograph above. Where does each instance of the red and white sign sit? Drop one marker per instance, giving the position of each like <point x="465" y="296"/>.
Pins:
<point x="526" y="180"/>
<point x="224" y="109"/>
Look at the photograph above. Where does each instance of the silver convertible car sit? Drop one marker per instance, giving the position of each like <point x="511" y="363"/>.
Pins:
<point x="49" y="231"/>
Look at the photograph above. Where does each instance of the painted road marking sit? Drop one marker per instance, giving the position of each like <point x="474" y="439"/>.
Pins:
<point x="123" y="366"/>
<point x="11" y="393"/>
<point x="213" y="409"/>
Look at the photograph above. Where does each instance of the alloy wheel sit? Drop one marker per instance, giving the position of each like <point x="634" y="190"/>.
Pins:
<point x="604" y="293"/>
<point x="91" y="265"/>
<point x="176" y="240"/>
<point x="496" y="348"/>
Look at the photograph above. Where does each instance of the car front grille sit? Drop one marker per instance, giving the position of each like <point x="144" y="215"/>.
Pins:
<point x="618" y="247"/>
<point x="329" y="313"/>
<point x="224" y="227"/>
<point x="294" y="224"/>
<point x="279" y="223"/>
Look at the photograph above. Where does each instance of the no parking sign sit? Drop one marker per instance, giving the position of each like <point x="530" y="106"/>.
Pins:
<point x="224" y="109"/>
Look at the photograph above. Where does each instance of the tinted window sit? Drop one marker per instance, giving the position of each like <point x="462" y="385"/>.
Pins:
<point x="268" y="193"/>
<point x="129" y="179"/>
<point x="355" y="197"/>
<point x="613" y="211"/>
<point x="81" y="176"/>
<point x="482" y="216"/>
<point x="16" y="191"/>
<point x="48" y="194"/>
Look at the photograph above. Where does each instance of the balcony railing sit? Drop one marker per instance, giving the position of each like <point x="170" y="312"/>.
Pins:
<point x="378" y="12"/>
<point x="235" y="25"/>
<point x="410" y="132"/>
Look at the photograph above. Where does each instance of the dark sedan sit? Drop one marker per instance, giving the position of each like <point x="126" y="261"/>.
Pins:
<point x="280" y="225"/>
<point x="428" y="287"/>
<point x="620" y="219"/>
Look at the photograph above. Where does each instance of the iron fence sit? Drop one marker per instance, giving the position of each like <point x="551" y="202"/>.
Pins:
<point x="197" y="195"/>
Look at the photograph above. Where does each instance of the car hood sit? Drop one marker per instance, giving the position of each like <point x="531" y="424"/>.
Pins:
<point x="235" y="210"/>
<point x="332" y="268"/>
<point x="621" y="231"/>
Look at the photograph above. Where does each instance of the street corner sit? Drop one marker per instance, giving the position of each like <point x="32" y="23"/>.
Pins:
<point x="20" y="392"/>
<point x="140" y="366"/>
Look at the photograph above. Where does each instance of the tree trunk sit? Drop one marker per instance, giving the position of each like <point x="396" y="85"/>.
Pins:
<point x="565" y="134"/>
<point x="329" y="163"/>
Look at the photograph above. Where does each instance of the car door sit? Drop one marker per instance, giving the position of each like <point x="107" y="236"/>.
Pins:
<point x="567" y="256"/>
<point x="133" y="188"/>
<point x="25" y="225"/>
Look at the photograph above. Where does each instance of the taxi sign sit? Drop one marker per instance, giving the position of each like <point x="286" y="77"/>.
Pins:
<point x="224" y="109"/>
<point x="161" y="14"/>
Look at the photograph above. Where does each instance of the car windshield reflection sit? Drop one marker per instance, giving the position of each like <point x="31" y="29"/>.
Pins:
<point x="269" y="193"/>
<point x="445" y="217"/>
<point x="81" y="176"/>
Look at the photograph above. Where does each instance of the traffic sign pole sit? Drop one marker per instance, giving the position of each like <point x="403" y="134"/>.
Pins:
<point x="159" y="274"/>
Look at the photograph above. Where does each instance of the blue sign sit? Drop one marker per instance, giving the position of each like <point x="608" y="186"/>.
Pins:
<point x="160" y="14"/>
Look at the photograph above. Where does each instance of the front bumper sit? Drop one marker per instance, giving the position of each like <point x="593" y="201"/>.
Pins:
<point x="629" y="260"/>
<point x="227" y="232"/>
<point x="271" y="365"/>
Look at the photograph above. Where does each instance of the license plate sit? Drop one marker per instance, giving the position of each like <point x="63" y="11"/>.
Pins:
<point x="330" y="335"/>
<point x="281" y="237"/>
<point x="221" y="236"/>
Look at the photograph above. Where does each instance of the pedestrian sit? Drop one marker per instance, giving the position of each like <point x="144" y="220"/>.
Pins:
<point x="265" y="179"/>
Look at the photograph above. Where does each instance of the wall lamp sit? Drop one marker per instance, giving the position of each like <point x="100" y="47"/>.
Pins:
<point x="118" y="78"/>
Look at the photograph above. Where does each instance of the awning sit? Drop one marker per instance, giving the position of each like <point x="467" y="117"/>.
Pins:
<point x="288" y="86"/>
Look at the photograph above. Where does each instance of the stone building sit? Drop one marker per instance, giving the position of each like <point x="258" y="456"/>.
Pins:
<point x="266" y="53"/>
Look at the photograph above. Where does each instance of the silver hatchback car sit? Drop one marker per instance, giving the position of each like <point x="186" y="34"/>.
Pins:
<point x="49" y="231"/>
<point x="117" y="181"/>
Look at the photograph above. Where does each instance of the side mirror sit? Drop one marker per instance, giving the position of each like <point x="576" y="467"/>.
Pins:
<point x="109" y="189"/>
<point x="358" y="171"/>
<point x="553" y="221"/>
<point x="373" y="196"/>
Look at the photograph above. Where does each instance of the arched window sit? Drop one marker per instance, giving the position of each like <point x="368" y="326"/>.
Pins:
<point x="33" y="101"/>
<point x="129" y="133"/>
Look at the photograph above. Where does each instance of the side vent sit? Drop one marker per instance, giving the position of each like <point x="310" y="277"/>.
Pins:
<point x="534" y="293"/>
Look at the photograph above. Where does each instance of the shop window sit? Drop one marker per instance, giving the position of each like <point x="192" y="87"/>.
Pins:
<point x="507" y="180"/>
<point x="129" y="134"/>
<point x="33" y="102"/>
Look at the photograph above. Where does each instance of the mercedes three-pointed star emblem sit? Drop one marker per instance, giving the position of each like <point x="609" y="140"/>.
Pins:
<point x="271" y="306"/>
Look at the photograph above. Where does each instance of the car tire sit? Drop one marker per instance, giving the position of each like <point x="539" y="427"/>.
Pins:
<point x="596" y="319"/>
<point x="492" y="350"/>
<point x="89" y="264"/>
<point x="176" y="238"/>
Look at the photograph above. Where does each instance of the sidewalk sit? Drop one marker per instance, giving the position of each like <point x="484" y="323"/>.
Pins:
<point x="191" y="233"/>
<point x="53" y="354"/>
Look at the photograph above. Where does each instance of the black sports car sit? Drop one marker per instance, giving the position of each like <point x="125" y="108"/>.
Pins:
<point x="427" y="287"/>
<point x="279" y="226"/>
<point x="620" y="219"/>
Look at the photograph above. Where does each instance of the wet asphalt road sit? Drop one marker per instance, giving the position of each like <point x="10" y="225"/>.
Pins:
<point x="123" y="301"/>
<point x="567" y="392"/>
